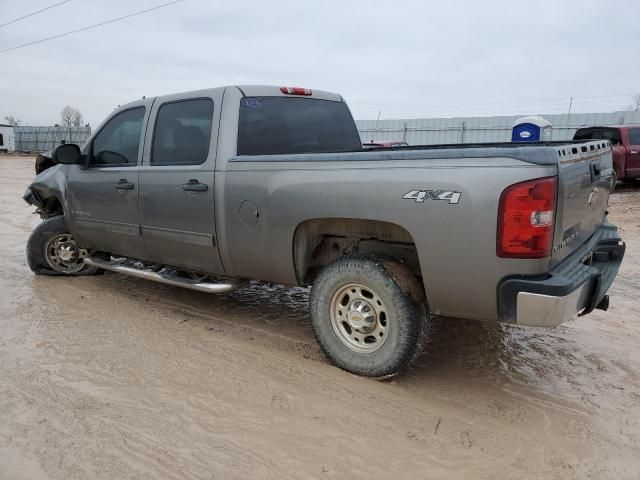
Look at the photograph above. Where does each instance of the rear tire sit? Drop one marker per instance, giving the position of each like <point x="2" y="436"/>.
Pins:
<point x="368" y="315"/>
<point x="51" y="250"/>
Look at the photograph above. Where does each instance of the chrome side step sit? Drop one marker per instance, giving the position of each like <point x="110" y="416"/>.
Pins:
<point x="166" y="277"/>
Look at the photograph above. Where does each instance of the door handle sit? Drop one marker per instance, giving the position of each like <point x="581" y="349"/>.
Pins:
<point x="194" y="185"/>
<point x="123" y="184"/>
<point x="634" y="151"/>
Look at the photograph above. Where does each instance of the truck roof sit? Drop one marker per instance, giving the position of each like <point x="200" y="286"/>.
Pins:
<point x="254" y="91"/>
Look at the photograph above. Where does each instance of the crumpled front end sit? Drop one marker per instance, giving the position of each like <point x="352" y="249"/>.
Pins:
<point x="46" y="192"/>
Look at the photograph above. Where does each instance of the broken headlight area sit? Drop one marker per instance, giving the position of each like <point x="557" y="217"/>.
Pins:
<point x="32" y="198"/>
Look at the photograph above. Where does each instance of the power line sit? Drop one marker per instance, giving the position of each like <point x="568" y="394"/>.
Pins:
<point x="33" y="13"/>
<point x="90" y="26"/>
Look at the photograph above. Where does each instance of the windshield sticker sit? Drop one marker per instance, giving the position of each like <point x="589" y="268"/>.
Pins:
<point x="251" y="102"/>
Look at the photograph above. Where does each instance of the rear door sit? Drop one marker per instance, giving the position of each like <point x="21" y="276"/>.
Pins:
<point x="177" y="183"/>
<point x="103" y="193"/>
<point x="633" y="157"/>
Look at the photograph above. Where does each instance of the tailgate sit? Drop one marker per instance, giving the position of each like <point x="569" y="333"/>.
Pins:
<point x="584" y="181"/>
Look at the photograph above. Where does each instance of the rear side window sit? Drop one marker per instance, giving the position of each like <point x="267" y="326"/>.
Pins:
<point x="634" y="136"/>
<point x="281" y="125"/>
<point x="118" y="142"/>
<point x="182" y="133"/>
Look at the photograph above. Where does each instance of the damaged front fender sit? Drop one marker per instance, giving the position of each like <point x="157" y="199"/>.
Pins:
<point x="47" y="191"/>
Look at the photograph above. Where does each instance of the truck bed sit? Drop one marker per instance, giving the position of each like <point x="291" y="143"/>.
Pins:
<point x="539" y="153"/>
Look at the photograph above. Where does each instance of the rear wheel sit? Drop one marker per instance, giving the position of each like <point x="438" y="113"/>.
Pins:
<point x="368" y="315"/>
<point x="52" y="250"/>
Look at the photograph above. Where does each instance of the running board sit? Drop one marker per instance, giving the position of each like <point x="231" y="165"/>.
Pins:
<point x="166" y="277"/>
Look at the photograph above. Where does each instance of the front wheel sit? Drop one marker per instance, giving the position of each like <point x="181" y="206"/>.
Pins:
<point x="368" y="315"/>
<point x="51" y="250"/>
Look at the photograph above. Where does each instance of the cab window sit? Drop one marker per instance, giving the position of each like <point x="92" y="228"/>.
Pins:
<point x="183" y="132"/>
<point x="634" y="136"/>
<point x="118" y="143"/>
<point x="611" y="134"/>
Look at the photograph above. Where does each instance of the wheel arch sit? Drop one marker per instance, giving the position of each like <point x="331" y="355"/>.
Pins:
<point x="319" y="241"/>
<point x="51" y="207"/>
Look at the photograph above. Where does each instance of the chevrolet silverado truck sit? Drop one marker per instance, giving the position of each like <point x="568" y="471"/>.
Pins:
<point x="209" y="189"/>
<point x="625" y="147"/>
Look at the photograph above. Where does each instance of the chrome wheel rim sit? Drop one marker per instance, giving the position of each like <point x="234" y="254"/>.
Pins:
<point x="63" y="254"/>
<point x="359" y="318"/>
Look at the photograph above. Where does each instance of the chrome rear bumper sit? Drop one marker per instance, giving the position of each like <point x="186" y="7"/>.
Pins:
<point x="578" y="284"/>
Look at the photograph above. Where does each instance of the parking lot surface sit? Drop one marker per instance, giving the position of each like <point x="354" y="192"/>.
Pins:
<point x="112" y="377"/>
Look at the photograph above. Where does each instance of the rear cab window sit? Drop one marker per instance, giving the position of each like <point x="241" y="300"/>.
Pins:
<point x="585" y="134"/>
<point x="284" y="125"/>
<point x="600" y="133"/>
<point x="611" y="134"/>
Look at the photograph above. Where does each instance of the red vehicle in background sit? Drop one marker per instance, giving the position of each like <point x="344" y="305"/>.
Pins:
<point x="625" y="146"/>
<point x="384" y="144"/>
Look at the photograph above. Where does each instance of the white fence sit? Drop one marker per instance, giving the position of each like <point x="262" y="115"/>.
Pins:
<point x="434" y="131"/>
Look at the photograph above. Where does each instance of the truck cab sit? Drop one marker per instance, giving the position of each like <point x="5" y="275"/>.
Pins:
<point x="625" y="146"/>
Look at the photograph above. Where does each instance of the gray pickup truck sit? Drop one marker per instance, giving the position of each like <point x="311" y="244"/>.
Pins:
<point x="210" y="188"/>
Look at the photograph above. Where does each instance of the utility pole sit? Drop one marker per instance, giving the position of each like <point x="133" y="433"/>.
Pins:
<point x="377" y="120"/>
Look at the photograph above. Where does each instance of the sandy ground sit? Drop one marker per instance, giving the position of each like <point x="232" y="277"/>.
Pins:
<point x="116" y="378"/>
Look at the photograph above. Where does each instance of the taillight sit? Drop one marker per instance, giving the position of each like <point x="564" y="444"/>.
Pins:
<point x="295" y="91"/>
<point x="525" y="219"/>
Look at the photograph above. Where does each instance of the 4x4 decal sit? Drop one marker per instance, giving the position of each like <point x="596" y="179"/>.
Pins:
<point x="419" y="196"/>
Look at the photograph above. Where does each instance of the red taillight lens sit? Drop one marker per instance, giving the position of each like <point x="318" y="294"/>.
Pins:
<point x="295" y="91"/>
<point x="525" y="219"/>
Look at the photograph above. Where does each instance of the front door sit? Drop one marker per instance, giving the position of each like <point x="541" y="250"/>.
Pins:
<point x="633" y="157"/>
<point x="177" y="187"/>
<point x="102" y="193"/>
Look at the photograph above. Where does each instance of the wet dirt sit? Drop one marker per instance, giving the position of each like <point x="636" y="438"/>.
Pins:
<point x="112" y="377"/>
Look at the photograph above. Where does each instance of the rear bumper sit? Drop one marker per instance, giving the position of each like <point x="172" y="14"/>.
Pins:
<point x="577" y="284"/>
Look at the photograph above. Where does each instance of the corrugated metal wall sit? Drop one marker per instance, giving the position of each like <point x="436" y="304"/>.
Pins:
<point x="42" y="139"/>
<point x="433" y="131"/>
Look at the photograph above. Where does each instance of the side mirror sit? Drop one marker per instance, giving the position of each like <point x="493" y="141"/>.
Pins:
<point x="67" y="154"/>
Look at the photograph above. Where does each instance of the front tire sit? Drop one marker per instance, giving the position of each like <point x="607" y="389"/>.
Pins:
<point x="51" y="250"/>
<point x="368" y="315"/>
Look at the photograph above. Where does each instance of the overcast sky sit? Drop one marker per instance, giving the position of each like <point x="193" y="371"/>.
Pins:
<point x="406" y="58"/>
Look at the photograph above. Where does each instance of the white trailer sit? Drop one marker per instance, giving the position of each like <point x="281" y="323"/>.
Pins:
<point x="7" y="138"/>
